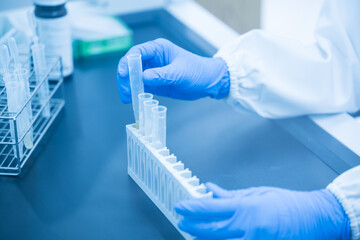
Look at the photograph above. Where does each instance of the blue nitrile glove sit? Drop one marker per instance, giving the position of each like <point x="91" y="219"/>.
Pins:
<point x="174" y="72"/>
<point x="264" y="213"/>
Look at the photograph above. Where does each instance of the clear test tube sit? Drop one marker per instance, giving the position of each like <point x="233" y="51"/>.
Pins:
<point x="142" y="98"/>
<point x="38" y="52"/>
<point x="26" y="114"/>
<point x="136" y="82"/>
<point x="12" y="92"/>
<point x="14" y="102"/>
<point x="159" y="126"/>
<point x="148" y="105"/>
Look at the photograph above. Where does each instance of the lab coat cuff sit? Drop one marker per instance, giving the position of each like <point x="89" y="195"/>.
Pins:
<point x="240" y="87"/>
<point x="235" y="75"/>
<point x="346" y="188"/>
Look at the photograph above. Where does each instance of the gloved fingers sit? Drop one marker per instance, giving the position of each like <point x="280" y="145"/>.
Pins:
<point x="210" y="229"/>
<point x="159" y="80"/>
<point x="151" y="51"/>
<point x="123" y="86"/>
<point x="206" y="208"/>
<point x="148" y="50"/>
<point x="219" y="192"/>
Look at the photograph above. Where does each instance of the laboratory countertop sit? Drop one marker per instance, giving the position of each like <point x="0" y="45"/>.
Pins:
<point x="77" y="186"/>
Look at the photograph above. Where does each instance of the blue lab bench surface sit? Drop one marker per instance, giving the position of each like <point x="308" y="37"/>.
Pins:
<point x="77" y="186"/>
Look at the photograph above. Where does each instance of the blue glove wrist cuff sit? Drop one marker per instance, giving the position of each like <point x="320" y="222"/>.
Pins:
<point x="343" y="221"/>
<point x="221" y="86"/>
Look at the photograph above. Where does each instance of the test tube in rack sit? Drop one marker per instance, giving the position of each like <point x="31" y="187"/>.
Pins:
<point x="148" y="115"/>
<point x="159" y="126"/>
<point x="14" y="103"/>
<point x="38" y="52"/>
<point x="142" y="98"/>
<point x="26" y="115"/>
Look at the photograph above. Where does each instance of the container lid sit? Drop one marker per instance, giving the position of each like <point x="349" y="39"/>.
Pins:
<point x="49" y="3"/>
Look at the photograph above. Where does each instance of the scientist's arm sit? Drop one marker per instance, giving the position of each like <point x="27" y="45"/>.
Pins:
<point x="268" y="75"/>
<point x="278" y="77"/>
<point x="274" y="213"/>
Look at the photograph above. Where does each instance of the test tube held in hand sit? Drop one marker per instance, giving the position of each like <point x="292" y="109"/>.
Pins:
<point x="38" y="52"/>
<point x="142" y="98"/>
<point x="136" y="82"/>
<point x="159" y="126"/>
<point x="148" y="115"/>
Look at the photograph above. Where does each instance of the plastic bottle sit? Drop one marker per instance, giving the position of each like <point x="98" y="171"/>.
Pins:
<point x="54" y="31"/>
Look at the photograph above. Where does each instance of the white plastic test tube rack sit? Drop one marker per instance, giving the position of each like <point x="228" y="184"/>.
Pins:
<point x="158" y="173"/>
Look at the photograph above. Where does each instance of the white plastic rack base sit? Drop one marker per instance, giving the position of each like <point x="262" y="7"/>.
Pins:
<point x="161" y="176"/>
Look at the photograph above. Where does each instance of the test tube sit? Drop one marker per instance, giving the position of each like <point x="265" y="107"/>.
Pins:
<point x="159" y="126"/>
<point x="142" y="98"/>
<point x="136" y="82"/>
<point x="14" y="102"/>
<point x="24" y="99"/>
<point x="4" y="60"/>
<point x="148" y="105"/>
<point x="31" y="20"/>
<point x="14" y="51"/>
<point x="22" y="75"/>
<point x="38" y="52"/>
<point x="12" y="92"/>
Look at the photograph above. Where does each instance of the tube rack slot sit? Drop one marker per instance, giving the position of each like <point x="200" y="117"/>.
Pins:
<point x="161" y="176"/>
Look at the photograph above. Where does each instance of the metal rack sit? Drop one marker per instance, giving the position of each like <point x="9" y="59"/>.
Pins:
<point x="13" y="155"/>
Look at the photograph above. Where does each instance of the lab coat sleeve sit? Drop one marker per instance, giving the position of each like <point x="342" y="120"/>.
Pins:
<point x="277" y="77"/>
<point x="346" y="188"/>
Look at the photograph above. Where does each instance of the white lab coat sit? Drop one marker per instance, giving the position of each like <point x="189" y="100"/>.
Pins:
<point x="277" y="77"/>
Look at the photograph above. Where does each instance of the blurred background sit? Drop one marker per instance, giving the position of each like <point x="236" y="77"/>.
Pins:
<point x="294" y="18"/>
<point x="241" y="15"/>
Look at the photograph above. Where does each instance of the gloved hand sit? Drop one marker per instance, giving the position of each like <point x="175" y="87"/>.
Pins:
<point x="174" y="72"/>
<point x="264" y="213"/>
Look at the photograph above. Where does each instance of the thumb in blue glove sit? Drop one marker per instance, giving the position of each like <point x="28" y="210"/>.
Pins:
<point x="264" y="213"/>
<point x="174" y="72"/>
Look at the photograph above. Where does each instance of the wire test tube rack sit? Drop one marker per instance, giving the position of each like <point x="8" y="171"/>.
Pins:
<point x="14" y="132"/>
<point x="150" y="164"/>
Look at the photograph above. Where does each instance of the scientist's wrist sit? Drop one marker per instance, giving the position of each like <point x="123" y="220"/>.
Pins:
<point x="341" y="220"/>
<point x="220" y="88"/>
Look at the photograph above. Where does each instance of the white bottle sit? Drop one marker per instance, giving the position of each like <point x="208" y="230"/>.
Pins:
<point x="54" y="31"/>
